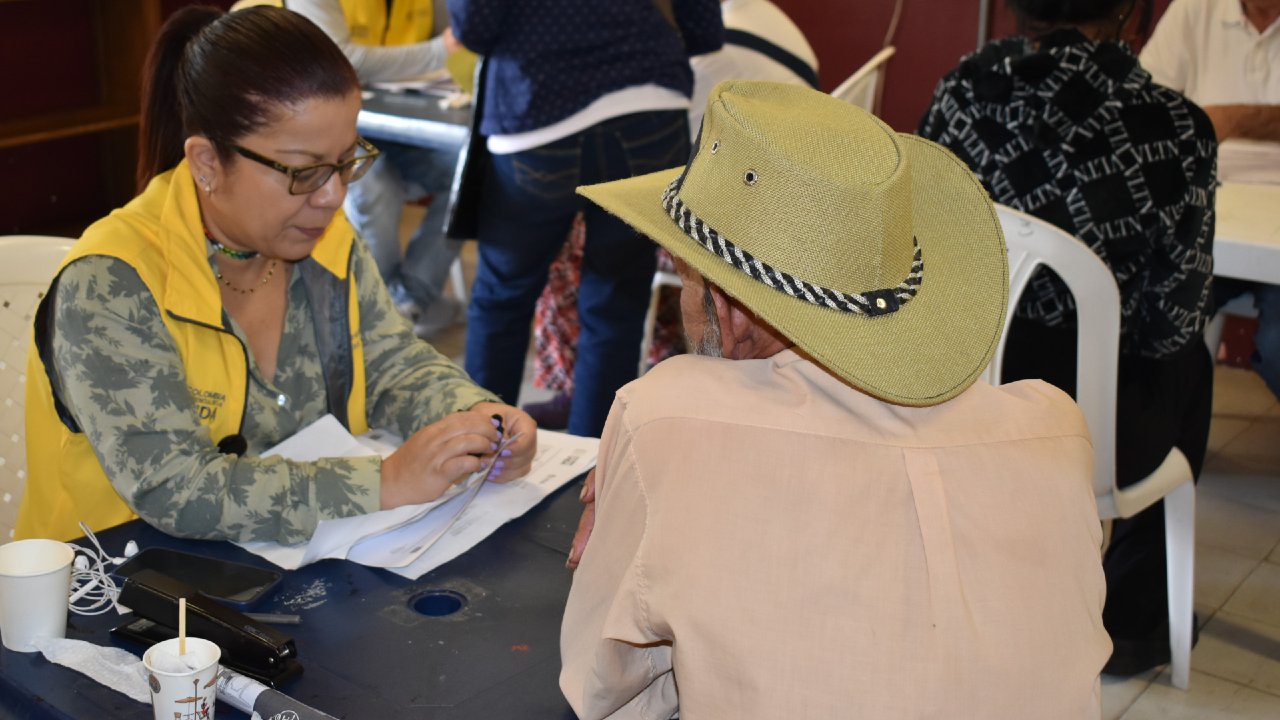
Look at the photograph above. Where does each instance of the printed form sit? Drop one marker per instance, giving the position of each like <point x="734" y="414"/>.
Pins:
<point x="415" y="539"/>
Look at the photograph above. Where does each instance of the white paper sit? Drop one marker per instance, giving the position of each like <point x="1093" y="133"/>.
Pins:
<point x="415" y="539"/>
<point x="1250" y="161"/>
<point x="324" y="438"/>
<point x="436" y="82"/>
<point x="560" y="458"/>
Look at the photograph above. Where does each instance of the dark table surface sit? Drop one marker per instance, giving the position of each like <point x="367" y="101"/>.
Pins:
<point x="366" y="652"/>
<point x="413" y="119"/>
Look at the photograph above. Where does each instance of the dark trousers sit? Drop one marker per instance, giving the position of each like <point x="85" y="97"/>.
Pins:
<point x="1161" y="404"/>
<point x="528" y="206"/>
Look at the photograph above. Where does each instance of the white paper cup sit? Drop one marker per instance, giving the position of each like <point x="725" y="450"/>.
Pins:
<point x="35" y="579"/>
<point x="183" y="687"/>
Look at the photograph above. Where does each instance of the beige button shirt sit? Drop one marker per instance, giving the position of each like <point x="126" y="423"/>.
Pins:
<point x="772" y="543"/>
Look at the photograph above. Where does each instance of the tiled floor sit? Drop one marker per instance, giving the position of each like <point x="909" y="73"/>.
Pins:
<point x="1235" y="668"/>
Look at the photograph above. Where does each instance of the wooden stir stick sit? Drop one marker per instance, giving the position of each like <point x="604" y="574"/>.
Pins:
<point x="182" y="626"/>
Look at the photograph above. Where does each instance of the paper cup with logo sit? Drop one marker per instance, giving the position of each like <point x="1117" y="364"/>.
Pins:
<point x="182" y="687"/>
<point x="35" y="580"/>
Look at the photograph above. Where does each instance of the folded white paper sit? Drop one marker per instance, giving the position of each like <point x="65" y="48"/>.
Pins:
<point x="415" y="539"/>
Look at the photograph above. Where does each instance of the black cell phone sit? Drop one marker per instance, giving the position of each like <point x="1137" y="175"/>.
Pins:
<point x="234" y="583"/>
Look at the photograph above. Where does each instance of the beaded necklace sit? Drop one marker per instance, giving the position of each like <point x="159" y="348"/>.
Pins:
<point x="238" y="255"/>
<point x="229" y="252"/>
<point x="271" y="269"/>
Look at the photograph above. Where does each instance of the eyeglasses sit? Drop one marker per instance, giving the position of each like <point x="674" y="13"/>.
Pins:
<point x="310" y="178"/>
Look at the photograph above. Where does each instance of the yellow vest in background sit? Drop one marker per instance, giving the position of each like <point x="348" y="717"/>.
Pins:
<point x="159" y="234"/>
<point x="409" y="21"/>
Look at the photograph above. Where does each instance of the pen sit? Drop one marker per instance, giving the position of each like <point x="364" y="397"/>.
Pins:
<point x="496" y="469"/>
<point x="275" y="618"/>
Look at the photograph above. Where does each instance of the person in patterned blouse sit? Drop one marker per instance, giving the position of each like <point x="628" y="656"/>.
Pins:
<point x="576" y="91"/>
<point x="230" y="305"/>
<point x="1062" y="123"/>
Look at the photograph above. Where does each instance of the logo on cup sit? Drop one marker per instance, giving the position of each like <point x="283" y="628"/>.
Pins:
<point x="154" y="682"/>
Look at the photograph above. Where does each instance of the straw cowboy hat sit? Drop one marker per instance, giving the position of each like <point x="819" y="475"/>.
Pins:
<point x="879" y="254"/>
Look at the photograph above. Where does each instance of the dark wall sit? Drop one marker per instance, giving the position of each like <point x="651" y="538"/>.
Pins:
<point x="932" y="36"/>
<point x="55" y="186"/>
<point x="51" y="55"/>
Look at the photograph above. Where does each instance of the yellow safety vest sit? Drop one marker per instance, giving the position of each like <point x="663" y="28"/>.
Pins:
<point x="159" y="233"/>
<point x="409" y="21"/>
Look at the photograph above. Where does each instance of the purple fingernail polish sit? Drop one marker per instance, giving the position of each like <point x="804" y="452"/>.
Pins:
<point x="493" y="447"/>
<point x="506" y="452"/>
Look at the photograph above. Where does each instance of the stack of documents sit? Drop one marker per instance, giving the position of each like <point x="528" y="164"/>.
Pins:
<point x="415" y="539"/>
<point x="1249" y="161"/>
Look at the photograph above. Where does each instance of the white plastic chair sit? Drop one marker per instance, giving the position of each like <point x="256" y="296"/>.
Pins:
<point x="862" y="88"/>
<point x="1032" y="243"/>
<point x="27" y="263"/>
<point x="661" y="279"/>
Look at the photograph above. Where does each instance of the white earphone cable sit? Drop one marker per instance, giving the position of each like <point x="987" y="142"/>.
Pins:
<point x="93" y="591"/>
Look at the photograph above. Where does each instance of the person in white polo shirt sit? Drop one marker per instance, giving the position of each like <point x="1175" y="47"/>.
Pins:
<point x="1224" y="55"/>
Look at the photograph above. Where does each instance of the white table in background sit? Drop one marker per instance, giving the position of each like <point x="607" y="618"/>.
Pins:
<point x="1247" y="241"/>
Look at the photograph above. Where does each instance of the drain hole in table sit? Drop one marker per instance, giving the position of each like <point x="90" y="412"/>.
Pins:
<point x="438" y="602"/>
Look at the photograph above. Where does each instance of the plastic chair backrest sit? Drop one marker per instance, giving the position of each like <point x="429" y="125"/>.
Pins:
<point x="27" y="263"/>
<point x="1034" y="243"/>
<point x="862" y="87"/>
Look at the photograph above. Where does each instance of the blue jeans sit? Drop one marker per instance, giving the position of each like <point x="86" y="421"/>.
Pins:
<point x="1266" y="341"/>
<point x="374" y="204"/>
<point x="526" y="212"/>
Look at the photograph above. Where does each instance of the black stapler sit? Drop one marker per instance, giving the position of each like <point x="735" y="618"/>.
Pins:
<point x="248" y="646"/>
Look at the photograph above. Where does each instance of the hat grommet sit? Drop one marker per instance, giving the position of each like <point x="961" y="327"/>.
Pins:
<point x="751" y="177"/>
<point x="881" y="303"/>
<point x="715" y="145"/>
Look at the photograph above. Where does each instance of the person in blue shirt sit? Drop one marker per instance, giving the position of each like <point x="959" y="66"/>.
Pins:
<point x="576" y="92"/>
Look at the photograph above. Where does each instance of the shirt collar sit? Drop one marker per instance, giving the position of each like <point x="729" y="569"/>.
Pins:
<point x="1231" y="13"/>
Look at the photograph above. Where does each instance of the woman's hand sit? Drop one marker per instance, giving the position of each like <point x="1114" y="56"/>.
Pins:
<point x="517" y="459"/>
<point x="437" y="456"/>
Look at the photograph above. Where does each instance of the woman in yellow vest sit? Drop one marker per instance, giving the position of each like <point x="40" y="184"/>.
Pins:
<point x="229" y="306"/>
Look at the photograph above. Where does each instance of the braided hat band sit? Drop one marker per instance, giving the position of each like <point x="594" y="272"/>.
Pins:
<point x="804" y="184"/>
<point x="870" y="303"/>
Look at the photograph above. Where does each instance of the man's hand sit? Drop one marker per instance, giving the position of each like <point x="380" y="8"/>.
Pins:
<point x="451" y="44"/>
<point x="586" y="523"/>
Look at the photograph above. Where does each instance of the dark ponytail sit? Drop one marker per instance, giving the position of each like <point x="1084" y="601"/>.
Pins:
<point x="224" y="76"/>
<point x="160" y="133"/>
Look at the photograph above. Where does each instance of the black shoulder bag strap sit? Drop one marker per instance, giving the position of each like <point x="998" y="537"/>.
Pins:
<point x="779" y="55"/>
<point x="327" y="294"/>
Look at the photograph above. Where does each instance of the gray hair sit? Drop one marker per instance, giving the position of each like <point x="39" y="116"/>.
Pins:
<point x="709" y="345"/>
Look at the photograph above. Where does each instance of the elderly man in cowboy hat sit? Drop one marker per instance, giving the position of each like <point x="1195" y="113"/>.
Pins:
<point x="821" y="515"/>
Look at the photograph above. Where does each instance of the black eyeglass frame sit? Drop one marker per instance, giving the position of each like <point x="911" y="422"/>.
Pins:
<point x="371" y="154"/>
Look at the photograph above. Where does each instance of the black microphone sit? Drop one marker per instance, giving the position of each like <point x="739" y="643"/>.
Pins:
<point x="233" y="445"/>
